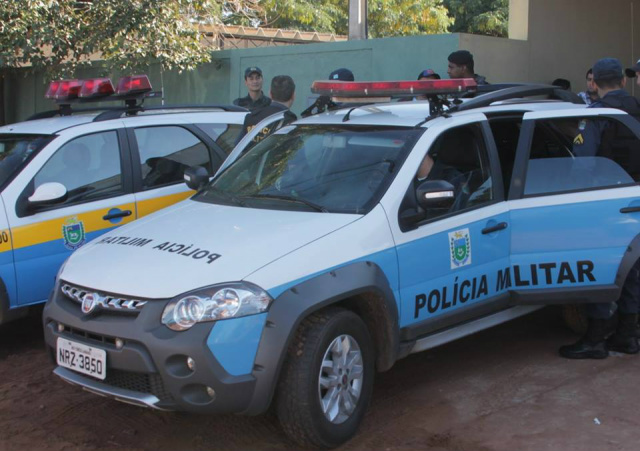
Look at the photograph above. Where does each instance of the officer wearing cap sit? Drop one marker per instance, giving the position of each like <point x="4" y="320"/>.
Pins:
<point x="634" y="72"/>
<point x="324" y="103"/>
<point x="342" y="74"/>
<point x="593" y="139"/>
<point x="610" y="82"/>
<point x="255" y="99"/>
<point x="461" y="65"/>
<point x="428" y="74"/>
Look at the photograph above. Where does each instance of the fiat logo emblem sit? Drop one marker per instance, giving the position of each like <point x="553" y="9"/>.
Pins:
<point x="90" y="302"/>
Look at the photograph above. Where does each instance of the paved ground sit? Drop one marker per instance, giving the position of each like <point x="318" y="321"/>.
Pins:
<point x="503" y="389"/>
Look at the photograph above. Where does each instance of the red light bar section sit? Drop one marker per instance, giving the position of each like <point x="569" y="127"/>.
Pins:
<point x="135" y="84"/>
<point x="96" y="87"/>
<point x="392" y="88"/>
<point x="53" y="88"/>
<point x="63" y="89"/>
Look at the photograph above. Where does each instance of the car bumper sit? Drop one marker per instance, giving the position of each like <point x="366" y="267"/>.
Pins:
<point x="146" y="361"/>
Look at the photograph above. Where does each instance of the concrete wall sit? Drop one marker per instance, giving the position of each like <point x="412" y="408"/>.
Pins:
<point x="374" y="59"/>
<point x="565" y="37"/>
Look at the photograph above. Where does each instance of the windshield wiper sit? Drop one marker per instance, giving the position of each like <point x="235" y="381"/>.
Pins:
<point x="310" y="204"/>
<point x="233" y="198"/>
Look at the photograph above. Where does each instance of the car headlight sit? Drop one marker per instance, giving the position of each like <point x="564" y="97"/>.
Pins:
<point x="214" y="303"/>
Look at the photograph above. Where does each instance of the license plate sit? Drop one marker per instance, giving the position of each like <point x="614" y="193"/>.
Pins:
<point x="82" y="358"/>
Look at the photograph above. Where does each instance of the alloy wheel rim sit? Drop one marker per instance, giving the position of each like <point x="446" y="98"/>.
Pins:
<point x="340" y="379"/>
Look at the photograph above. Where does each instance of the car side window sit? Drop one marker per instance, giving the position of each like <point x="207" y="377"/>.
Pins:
<point x="572" y="154"/>
<point x="88" y="166"/>
<point x="165" y="152"/>
<point x="225" y="135"/>
<point x="458" y="156"/>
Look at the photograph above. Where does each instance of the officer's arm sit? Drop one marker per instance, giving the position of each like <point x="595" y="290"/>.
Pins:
<point x="587" y="141"/>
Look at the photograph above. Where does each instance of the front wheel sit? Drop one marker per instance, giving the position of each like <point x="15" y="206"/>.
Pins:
<point x="327" y="379"/>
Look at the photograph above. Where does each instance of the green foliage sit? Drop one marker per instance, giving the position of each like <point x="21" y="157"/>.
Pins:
<point x="386" y="17"/>
<point x="489" y="17"/>
<point x="60" y="35"/>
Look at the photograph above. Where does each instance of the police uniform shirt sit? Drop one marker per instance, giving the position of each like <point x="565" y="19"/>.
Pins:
<point x="587" y="141"/>
<point x="252" y="105"/>
<point x="254" y="118"/>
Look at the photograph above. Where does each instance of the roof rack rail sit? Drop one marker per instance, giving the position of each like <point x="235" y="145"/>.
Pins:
<point x="516" y="92"/>
<point x="115" y="113"/>
<point x="67" y="112"/>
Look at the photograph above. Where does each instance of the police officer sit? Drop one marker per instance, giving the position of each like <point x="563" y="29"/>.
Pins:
<point x="592" y="141"/>
<point x="428" y="74"/>
<point x="324" y="103"/>
<point x="255" y="99"/>
<point x="283" y="94"/>
<point x="461" y="65"/>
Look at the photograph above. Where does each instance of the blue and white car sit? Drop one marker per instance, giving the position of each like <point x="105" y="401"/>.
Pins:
<point x="322" y="255"/>
<point x="69" y="176"/>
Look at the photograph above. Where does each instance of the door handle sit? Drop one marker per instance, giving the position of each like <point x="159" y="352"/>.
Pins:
<point x="495" y="228"/>
<point x="118" y="214"/>
<point x="630" y="209"/>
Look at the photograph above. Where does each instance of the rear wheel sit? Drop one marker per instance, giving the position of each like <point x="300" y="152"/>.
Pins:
<point x="327" y="379"/>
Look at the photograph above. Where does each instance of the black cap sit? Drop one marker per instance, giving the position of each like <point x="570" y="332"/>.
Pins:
<point x="342" y="74"/>
<point x="631" y="71"/>
<point x="428" y="73"/>
<point x="250" y="70"/>
<point x="607" y="69"/>
<point x="461" y="57"/>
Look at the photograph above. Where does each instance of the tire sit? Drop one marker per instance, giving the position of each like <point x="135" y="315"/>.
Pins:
<point x="575" y="318"/>
<point x="298" y="401"/>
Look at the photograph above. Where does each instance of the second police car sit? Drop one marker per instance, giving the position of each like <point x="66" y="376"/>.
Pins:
<point x="70" y="175"/>
<point x="342" y="243"/>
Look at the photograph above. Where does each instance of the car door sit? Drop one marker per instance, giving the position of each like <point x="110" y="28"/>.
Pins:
<point x="573" y="215"/>
<point x="93" y="170"/>
<point x="450" y="261"/>
<point x="160" y="154"/>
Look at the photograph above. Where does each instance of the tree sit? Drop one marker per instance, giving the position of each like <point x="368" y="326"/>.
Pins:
<point x="385" y="17"/>
<point x="490" y="17"/>
<point x="58" y="36"/>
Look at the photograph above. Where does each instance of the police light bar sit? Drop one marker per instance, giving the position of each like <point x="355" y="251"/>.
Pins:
<point x="95" y="88"/>
<point x="133" y="85"/>
<point x="361" y="89"/>
<point x="63" y="89"/>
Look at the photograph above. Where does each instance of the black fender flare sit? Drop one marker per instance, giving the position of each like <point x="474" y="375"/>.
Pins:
<point x="363" y="287"/>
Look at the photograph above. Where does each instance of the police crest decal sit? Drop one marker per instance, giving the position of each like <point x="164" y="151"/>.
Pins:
<point x="73" y="233"/>
<point x="460" y="248"/>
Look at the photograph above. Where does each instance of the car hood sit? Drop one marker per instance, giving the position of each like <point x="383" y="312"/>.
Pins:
<point x="192" y="245"/>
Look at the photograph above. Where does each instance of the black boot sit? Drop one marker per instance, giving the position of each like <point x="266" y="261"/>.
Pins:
<point x="625" y="339"/>
<point x="591" y="346"/>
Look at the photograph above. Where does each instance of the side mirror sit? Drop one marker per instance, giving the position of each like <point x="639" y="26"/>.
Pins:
<point x="196" y="177"/>
<point x="435" y="194"/>
<point x="48" y="194"/>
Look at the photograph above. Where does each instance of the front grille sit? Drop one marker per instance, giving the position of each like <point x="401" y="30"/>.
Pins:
<point x="91" y="300"/>
<point x="138" y="382"/>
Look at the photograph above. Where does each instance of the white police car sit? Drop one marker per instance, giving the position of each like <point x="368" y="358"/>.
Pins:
<point x="342" y="243"/>
<point x="67" y="178"/>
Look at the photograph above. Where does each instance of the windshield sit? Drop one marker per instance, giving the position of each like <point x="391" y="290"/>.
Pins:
<point x="328" y="168"/>
<point x="16" y="151"/>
